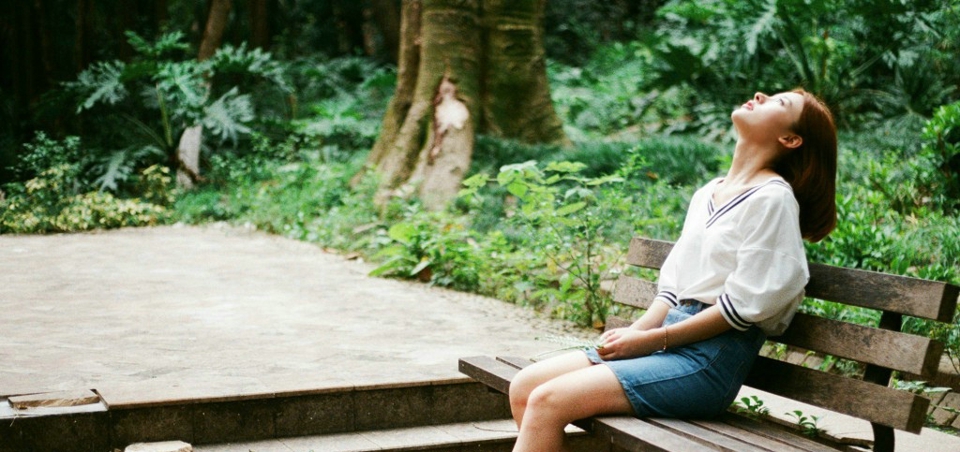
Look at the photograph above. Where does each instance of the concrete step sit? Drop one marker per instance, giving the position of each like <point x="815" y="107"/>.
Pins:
<point x="320" y="410"/>
<point x="484" y="436"/>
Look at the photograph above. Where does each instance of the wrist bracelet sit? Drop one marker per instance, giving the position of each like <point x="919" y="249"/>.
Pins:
<point x="665" y="335"/>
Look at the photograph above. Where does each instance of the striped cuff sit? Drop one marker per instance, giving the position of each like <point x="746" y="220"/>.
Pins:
<point x="730" y="313"/>
<point x="669" y="297"/>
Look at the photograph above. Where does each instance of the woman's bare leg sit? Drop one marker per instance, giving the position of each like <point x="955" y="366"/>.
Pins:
<point x="538" y="373"/>
<point x="559" y="401"/>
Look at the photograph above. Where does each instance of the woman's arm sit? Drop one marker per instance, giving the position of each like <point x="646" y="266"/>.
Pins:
<point x="630" y="343"/>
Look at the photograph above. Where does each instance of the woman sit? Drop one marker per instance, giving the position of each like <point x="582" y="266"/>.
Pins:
<point x="736" y="275"/>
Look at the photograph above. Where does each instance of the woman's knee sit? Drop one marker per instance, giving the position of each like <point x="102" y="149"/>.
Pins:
<point x="521" y="386"/>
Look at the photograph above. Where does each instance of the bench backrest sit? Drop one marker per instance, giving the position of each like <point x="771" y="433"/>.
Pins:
<point x="881" y="349"/>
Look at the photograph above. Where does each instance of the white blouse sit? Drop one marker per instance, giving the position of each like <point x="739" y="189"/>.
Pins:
<point x="745" y="255"/>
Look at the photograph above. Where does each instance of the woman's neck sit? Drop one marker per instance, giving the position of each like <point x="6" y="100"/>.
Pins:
<point x="751" y="164"/>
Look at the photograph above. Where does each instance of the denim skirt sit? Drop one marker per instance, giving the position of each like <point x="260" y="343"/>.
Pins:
<point x="698" y="380"/>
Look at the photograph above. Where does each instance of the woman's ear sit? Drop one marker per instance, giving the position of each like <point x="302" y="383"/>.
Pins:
<point x="791" y="141"/>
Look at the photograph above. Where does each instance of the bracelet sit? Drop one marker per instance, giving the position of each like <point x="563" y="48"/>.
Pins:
<point x="665" y="336"/>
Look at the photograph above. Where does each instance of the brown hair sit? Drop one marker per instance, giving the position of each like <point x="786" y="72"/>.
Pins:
<point x="811" y="168"/>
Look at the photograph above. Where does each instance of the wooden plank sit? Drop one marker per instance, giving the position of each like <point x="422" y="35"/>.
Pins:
<point x="884" y="348"/>
<point x="904" y="352"/>
<point x="709" y="437"/>
<point x="648" y="253"/>
<point x="902" y="294"/>
<point x="774" y="432"/>
<point x="616" y="322"/>
<point x="762" y="441"/>
<point x="635" y="434"/>
<point x="872" y="402"/>
<point x="636" y="292"/>
<point x="910" y="296"/>
<point x="490" y="372"/>
<point x="515" y="361"/>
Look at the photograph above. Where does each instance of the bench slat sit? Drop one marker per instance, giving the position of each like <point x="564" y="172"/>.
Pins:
<point x="707" y="436"/>
<point x="901" y="294"/>
<point x="636" y="292"/>
<point x="497" y="374"/>
<point x="639" y="435"/>
<point x="492" y="373"/>
<point x="878" y="404"/>
<point x="891" y="349"/>
<point x="792" y="443"/>
<point x="775" y="433"/>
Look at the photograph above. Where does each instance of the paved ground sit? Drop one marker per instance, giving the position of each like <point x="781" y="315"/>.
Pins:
<point x="175" y="313"/>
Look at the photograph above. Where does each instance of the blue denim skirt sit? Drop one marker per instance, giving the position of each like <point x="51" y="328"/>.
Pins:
<point x="698" y="380"/>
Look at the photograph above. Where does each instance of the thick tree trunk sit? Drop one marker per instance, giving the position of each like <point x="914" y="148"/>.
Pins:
<point x="516" y="101"/>
<point x="449" y="51"/>
<point x="407" y="67"/>
<point x="465" y="67"/>
<point x="188" y="149"/>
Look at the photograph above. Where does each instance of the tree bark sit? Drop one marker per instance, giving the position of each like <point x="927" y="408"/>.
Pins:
<point x="216" y="24"/>
<point x="517" y="100"/>
<point x="259" y="24"/>
<point x="188" y="149"/>
<point x="465" y="67"/>
<point x="407" y="69"/>
<point x="81" y="50"/>
<point x="387" y="16"/>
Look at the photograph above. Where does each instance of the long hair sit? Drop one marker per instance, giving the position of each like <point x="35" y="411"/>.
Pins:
<point x="811" y="168"/>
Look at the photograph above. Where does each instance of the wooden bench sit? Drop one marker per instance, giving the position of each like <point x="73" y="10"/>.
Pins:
<point x="881" y="350"/>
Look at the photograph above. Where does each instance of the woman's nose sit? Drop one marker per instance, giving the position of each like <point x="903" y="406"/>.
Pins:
<point x="760" y="97"/>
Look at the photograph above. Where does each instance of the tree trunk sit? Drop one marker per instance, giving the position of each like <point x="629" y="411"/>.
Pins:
<point x="82" y="48"/>
<point x="188" y="149"/>
<point x="517" y="100"/>
<point x="465" y="67"/>
<point x="386" y="14"/>
<point x="259" y="24"/>
<point x="45" y="49"/>
<point x="216" y="24"/>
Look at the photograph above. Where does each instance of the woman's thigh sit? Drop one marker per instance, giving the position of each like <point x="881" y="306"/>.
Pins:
<point x="542" y="371"/>
<point x="582" y="393"/>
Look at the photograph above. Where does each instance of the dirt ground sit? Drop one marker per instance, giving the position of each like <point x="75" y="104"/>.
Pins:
<point x="169" y="313"/>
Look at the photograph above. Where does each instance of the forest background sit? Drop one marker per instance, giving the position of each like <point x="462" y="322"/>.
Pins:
<point x="284" y="100"/>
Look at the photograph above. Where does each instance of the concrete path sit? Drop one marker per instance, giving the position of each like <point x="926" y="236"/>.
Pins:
<point x="176" y="313"/>
<point x="156" y="315"/>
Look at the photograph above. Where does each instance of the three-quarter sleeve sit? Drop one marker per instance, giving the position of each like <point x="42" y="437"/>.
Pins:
<point x="771" y="269"/>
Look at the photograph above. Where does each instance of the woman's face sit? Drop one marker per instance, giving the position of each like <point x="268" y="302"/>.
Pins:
<point x="768" y="115"/>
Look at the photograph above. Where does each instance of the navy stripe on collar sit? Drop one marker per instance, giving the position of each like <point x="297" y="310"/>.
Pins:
<point x="714" y="215"/>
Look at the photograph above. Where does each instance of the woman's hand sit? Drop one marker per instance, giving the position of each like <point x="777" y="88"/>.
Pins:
<point x="624" y="343"/>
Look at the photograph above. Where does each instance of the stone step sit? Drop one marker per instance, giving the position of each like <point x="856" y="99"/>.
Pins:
<point x="484" y="436"/>
<point x="322" y="410"/>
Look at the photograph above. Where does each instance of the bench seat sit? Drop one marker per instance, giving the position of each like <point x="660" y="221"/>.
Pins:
<point x="880" y="350"/>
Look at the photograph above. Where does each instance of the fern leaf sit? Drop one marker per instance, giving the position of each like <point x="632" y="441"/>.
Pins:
<point x="226" y="117"/>
<point x="104" y="83"/>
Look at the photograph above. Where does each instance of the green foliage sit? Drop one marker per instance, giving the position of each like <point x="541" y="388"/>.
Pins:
<point x="568" y="216"/>
<point x="941" y="151"/>
<point x="751" y="407"/>
<point x="808" y="425"/>
<point x="58" y="199"/>
<point x="144" y="105"/>
<point x="435" y="248"/>
<point x="869" y="59"/>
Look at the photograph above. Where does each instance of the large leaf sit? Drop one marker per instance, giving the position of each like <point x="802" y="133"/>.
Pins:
<point x="226" y="117"/>
<point x="103" y="81"/>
